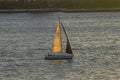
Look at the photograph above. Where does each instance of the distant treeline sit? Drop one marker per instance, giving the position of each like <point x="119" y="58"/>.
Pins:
<point x="68" y="4"/>
<point x="21" y="4"/>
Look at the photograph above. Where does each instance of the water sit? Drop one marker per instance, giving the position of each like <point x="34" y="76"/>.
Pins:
<point x="26" y="37"/>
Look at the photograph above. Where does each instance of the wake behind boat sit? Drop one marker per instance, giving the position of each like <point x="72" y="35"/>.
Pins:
<point x="57" y="46"/>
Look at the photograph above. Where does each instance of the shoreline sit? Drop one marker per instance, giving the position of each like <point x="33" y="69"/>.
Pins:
<point x="58" y="10"/>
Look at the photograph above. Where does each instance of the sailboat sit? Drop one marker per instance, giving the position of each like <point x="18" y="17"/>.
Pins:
<point x="57" y="50"/>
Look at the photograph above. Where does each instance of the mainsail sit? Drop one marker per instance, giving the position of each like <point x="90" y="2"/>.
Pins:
<point x="68" y="45"/>
<point x="57" y="45"/>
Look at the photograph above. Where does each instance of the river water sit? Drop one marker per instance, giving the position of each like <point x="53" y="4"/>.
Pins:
<point x="26" y="37"/>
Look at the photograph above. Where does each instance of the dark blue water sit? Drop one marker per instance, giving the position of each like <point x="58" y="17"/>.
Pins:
<point x="26" y="37"/>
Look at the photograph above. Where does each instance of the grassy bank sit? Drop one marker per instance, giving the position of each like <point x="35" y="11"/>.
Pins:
<point x="62" y="5"/>
<point x="57" y="10"/>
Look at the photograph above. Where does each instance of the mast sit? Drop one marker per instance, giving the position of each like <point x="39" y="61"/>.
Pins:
<point x="60" y="33"/>
<point x="68" y="45"/>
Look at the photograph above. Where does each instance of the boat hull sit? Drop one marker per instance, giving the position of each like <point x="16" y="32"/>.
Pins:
<point x="59" y="57"/>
